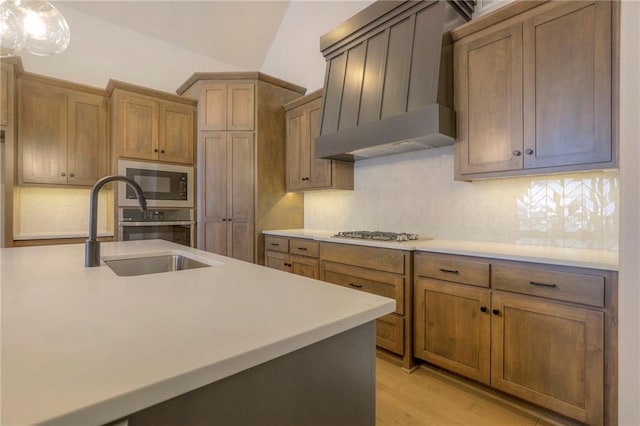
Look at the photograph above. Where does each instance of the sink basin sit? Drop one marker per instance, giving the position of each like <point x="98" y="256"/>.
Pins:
<point x="132" y="266"/>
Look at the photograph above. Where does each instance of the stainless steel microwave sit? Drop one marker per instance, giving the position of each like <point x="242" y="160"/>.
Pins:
<point x="163" y="185"/>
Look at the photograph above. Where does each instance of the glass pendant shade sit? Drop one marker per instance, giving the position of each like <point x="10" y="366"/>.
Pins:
<point x="35" y="26"/>
<point x="12" y="36"/>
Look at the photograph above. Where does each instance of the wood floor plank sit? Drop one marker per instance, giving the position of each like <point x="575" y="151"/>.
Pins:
<point x="425" y="398"/>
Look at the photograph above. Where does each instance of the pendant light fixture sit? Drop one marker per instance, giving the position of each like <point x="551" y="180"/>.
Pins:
<point x="33" y="26"/>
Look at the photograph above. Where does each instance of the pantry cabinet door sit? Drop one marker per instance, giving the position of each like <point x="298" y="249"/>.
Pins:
<point x="215" y="200"/>
<point x="240" y="186"/>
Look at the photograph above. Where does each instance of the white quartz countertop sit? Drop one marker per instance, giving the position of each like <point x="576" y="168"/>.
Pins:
<point x="85" y="346"/>
<point x="584" y="258"/>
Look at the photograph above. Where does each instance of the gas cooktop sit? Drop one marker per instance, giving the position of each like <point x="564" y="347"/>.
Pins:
<point x="377" y="235"/>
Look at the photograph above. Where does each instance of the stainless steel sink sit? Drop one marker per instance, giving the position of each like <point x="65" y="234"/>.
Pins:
<point x="129" y="267"/>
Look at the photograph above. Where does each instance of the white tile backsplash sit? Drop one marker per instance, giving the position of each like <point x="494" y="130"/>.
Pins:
<point x="45" y="212"/>
<point x="415" y="192"/>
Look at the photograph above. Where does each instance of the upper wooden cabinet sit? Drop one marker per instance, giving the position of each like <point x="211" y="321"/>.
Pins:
<point x="304" y="171"/>
<point x="534" y="92"/>
<point x="227" y="106"/>
<point x="62" y="133"/>
<point x="152" y="125"/>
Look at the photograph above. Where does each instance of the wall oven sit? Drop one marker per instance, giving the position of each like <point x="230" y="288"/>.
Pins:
<point x="175" y="225"/>
<point x="163" y="185"/>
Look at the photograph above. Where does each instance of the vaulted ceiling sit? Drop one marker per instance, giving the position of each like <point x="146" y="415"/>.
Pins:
<point x="237" y="32"/>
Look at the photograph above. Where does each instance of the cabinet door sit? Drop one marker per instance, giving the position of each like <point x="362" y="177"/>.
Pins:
<point x="176" y="136"/>
<point x="305" y="266"/>
<point x="319" y="169"/>
<point x="87" y="142"/>
<point x="215" y="200"/>
<point x="240" y="107"/>
<point x="567" y="84"/>
<point x="489" y="101"/>
<point x="138" y="127"/>
<point x="549" y="354"/>
<point x="240" y="195"/>
<point x="297" y="129"/>
<point x="212" y="107"/>
<point x="452" y="327"/>
<point x="43" y="134"/>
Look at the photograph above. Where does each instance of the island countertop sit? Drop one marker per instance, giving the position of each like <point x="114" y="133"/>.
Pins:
<point x="85" y="346"/>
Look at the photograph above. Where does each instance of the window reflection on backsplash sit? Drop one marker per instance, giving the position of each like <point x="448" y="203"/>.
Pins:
<point x="578" y="210"/>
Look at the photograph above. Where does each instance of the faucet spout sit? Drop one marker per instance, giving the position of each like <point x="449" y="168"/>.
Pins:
<point x="92" y="245"/>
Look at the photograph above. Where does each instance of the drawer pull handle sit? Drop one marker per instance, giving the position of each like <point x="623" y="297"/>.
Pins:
<point x="275" y="244"/>
<point x="355" y="285"/>
<point x="542" y="284"/>
<point x="302" y="248"/>
<point x="450" y="271"/>
<point x="483" y="308"/>
<point x="288" y="264"/>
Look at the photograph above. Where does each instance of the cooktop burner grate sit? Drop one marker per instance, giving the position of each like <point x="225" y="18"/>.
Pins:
<point x="377" y="235"/>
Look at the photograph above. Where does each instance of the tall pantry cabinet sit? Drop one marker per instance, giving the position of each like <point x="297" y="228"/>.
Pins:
<point x="241" y="161"/>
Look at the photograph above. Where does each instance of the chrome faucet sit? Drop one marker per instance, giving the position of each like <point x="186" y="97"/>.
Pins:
<point x="92" y="245"/>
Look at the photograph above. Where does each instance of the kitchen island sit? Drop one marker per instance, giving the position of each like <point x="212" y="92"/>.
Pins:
<point x="231" y="341"/>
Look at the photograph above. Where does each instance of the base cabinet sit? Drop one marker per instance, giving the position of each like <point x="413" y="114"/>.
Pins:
<point x="295" y="255"/>
<point x="542" y="333"/>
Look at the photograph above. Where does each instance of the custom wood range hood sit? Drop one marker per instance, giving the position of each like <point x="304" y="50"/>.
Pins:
<point x="389" y="83"/>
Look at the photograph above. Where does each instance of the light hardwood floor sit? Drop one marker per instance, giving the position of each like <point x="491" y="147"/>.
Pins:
<point x="426" y="398"/>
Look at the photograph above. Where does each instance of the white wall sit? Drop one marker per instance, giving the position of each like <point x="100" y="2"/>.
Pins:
<point x="629" y="294"/>
<point x="295" y="53"/>
<point x="100" y="50"/>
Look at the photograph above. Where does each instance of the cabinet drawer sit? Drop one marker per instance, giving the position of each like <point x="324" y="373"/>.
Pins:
<point x="381" y="259"/>
<point x="456" y="269"/>
<point x="559" y="285"/>
<point x="304" y="247"/>
<point x="380" y="283"/>
<point x="390" y="333"/>
<point x="276" y="243"/>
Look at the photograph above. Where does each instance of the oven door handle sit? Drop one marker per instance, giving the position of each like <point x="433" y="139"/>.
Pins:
<point x="166" y="223"/>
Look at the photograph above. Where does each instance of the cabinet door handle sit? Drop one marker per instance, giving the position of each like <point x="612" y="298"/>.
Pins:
<point x="516" y="153"/>
<point x="162" y="151"/>
<point x="224" y="219"/>
<point x="288" y="264"/>
<point x="71" y="175"/>
<point x="450" y="271"/>
<point x="496" y="312"/>
<point x="229" y="219"/>
<point x="528" y="151"/>
<point x="63" y="174"/>
<point x="155" y="150"/>
<point x="483" y="308"/>
<point x="542" y="284"/>
<point x="355" y="285"/>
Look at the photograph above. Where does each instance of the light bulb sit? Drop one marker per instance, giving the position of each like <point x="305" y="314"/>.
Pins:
<point x="12" y="36"/>
<point x="33" y="25"/>
<point x="46" y="30"/>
